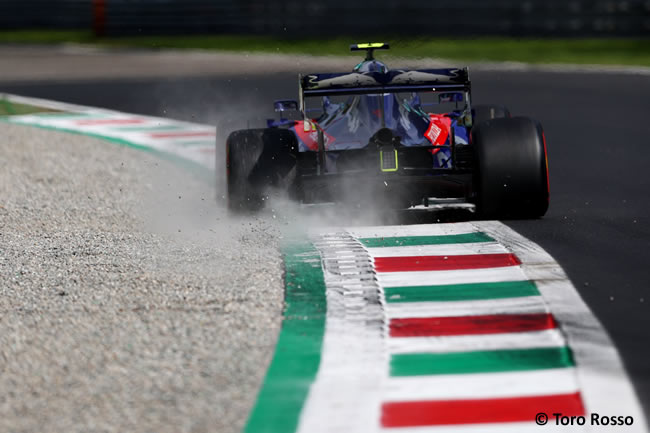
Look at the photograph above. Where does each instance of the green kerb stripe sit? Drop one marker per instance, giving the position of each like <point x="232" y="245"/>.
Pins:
<point x="411" y="241"/>
<point x="461" y="292"/>
<point x="422" y="364"/>
<point x="297" y="352"/>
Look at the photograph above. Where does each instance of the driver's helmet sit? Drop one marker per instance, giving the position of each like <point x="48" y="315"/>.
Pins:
<point x="371" y="66"/>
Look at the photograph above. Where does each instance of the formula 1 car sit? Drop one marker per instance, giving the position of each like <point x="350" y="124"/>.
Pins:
<point x="395" y="138"/>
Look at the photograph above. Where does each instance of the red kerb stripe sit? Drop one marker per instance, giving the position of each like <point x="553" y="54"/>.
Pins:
<point x="90" y="122"/>
<point x="470" y="325"/>
<point x="444" y="263"/>
<point x="445" y="412"/>
<point x="182" y="134"/>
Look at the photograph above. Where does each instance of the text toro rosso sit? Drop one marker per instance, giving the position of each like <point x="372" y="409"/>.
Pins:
<point x="394" y="138"/>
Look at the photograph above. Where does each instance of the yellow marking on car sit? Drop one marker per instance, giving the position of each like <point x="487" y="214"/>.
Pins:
<point x="371" y="45"/>
<point x="392" y="160"/>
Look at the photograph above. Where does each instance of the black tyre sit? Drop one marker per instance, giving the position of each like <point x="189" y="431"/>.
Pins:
<point x="481" y="113"/>
<point x="511" y="178"/>
<point x="257" y="159"/>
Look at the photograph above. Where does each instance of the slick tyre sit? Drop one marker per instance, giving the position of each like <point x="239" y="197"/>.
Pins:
<point x="243" y="149"/>
<point x="511" y="179"/>
<point x="257" y="159"/>
<point x="481" y="113"/>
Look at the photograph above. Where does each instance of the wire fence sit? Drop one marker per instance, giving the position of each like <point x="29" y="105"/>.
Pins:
<point x="317" y="18"/>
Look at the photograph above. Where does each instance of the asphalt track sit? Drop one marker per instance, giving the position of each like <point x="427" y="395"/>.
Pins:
<point x="597" y="127"/>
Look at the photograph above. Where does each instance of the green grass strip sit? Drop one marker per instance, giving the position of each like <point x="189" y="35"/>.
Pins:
<point x="461" y="292"/>
<point x="45" y="36"/>
<point x="298" y="350"/>
<point x="8" y="108"/>
<point x="603" y="51"/>
<point x="422" y="364"/>
<point x="412" y="241"/>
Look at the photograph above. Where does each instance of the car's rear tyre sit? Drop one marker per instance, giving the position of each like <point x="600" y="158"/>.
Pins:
<point x="481" y="113"/>
<point x="257" y="159"/>
<point x="511" y="179"/>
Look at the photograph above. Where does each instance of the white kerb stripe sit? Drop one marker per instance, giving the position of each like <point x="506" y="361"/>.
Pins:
<point x="461" y="276"/>
<point x="523" y="305"/>
<point x="469" y="343"/>
<point x="481" y="385"/>
<point x="439" y="250"/>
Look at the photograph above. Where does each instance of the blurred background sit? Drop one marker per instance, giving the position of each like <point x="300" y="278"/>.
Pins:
<point x="292" y="18"/>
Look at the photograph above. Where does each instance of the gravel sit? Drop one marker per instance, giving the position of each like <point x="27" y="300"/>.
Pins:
<point x="129" y="301"/>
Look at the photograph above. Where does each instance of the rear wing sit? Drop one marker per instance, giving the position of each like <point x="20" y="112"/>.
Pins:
<point x="393" y="81"/>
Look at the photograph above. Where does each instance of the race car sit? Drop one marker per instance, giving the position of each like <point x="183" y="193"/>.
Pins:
<point x="391" y="137"/>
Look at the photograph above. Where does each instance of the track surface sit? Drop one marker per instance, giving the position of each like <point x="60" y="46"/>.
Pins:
<point x="596" y="125"/>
